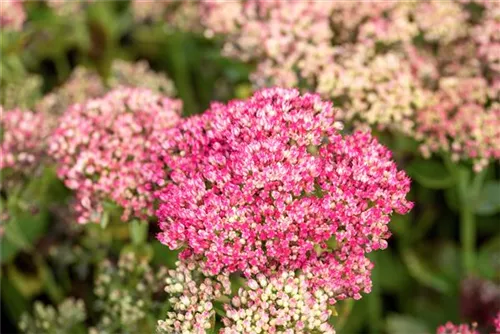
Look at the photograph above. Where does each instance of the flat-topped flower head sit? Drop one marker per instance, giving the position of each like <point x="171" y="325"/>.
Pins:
<point x="23" y="140"/>
<point x="266" y="183"/>
<point x="283" y="303"/>
<point x="101" y="145"/>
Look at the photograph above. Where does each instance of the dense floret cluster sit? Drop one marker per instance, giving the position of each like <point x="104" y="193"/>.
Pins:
<point x="192" y="294"/>
<point x="280" y="304"/>
<point x="268" y="184"/>
<point x="23" y="140"/>
<point x="101" y="145"/>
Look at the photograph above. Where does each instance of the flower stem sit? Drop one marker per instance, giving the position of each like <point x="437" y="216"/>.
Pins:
<point x="468" y="193"/>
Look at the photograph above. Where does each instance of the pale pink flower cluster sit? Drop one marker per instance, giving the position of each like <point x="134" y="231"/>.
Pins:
<point x="441" y="21"/>
<point x="269" y="184"/>
<point x="23" y="141"/>
<point x="383" y="86"/>
<point x="84" y="84"/>
<point x="290" y="39"/>
<point x="100" y="146"/>
<point x="12" y="15"/>
<point x="283" y="303"/>
<point x="487" y="36"/>
<point x="459" y="123"/>
<point x="450" y="328"/>
<point x="192" y="294"/>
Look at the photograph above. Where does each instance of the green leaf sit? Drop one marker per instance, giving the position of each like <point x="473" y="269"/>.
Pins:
<point x="21" y="232"/>
<point x="422" y="273"/>
<point x="12" y="300"/>
<point x="105" y="219"/>
<point x="138" y="231"/>
<point x="397" y="324"/>
<point x="430" y="173"/>
<point x="163" y="255"/>
<point x="489" y="199"/>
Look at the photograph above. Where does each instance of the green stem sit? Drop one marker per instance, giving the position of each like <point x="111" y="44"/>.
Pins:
<point x="468" y="193"/>
<point x="467" y="237"/>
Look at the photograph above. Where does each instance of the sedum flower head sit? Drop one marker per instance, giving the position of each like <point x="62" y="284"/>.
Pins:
<point x="101" y="144"/>
<point x="441" y="21"/>
<point x="192" y="294"/>
<point x="266" y="183"/>
<point x="283" y="303"/>
<point x="23" y="139"/>
<point x="378" y="89"/>
<point x="460" y="122"/>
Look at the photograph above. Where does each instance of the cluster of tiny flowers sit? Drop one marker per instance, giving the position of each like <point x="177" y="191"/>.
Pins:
<point x="47" y="320"/>
<point x="378" y="89"/>
<point x="459" y="123"/>
<point x="85" y="84"/>
<point x="125" y="294"/>
<point x="496" y="322"/>
<point x="100" y="146"/>
<point x="24" y="135"/>
<point x="487" y="37"/>
<point x="441" y="21"/>
<point x="12" y="15"/>
<point x="292" y="39"/>
<point x="450" y="328"/>
<point x="192" y="294"/>
<point x="283" y="303"/>
<point x="263" y="185"/>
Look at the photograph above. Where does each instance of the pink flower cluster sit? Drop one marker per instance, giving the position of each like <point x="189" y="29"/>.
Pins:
<point x="101" y="145"/>
<point x="290" y="39"/>
<point x="269" y="183"/>
<point x="23" y="142"/>
<point x="496" y="322"/>
<point x="450" y="328"/>
<point x="459" y="123"/>
<point x="12" y="15"/>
